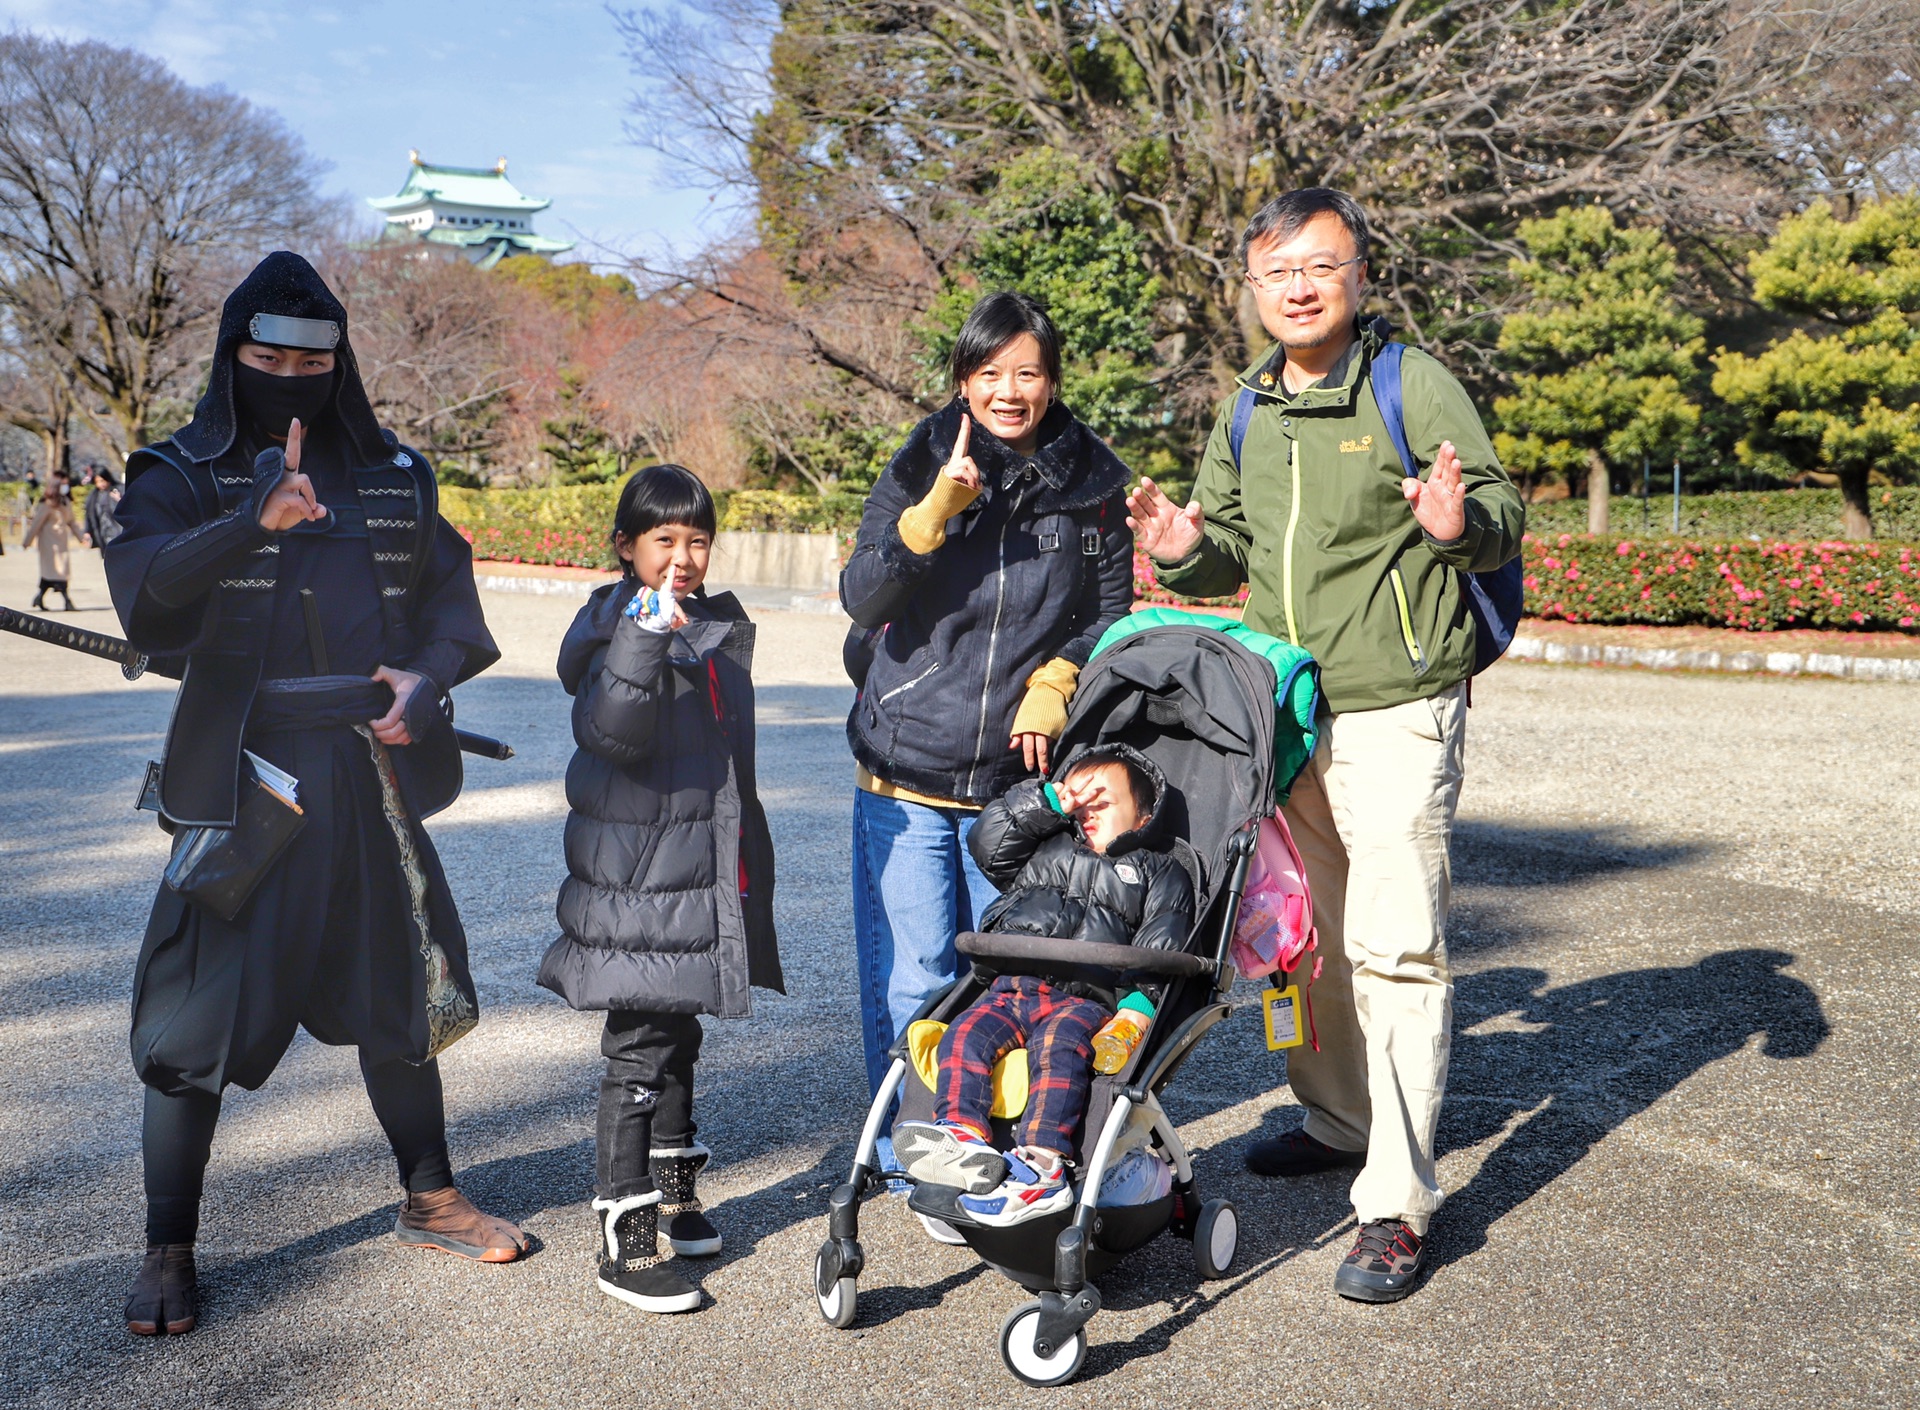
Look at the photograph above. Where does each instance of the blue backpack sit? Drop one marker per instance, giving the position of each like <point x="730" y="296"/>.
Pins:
<point x="1495" y="597"/>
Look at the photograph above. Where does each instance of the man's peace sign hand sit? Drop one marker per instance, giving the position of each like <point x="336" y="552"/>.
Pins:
<point x="1440" y="502"/>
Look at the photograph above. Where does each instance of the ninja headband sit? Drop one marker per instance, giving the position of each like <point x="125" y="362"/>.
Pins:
<point x="318" y="334"/>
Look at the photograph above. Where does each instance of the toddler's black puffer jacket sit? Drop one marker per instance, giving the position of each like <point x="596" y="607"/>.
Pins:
<point x="1053" y="883"/>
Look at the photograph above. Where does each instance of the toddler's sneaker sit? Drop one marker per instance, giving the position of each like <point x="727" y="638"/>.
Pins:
<point x="1027" y="1193"/>
<point x="947" y="1155"/>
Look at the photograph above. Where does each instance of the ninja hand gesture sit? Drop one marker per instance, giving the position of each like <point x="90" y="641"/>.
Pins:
<point x="291" y="501"/>
<point x="1440" y="501"/>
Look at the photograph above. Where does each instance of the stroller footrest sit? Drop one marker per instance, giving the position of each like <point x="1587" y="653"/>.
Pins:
<point x="1046" y="955"/>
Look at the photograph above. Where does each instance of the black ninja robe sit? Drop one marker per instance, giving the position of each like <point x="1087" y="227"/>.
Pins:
<point x="352" y="933"/>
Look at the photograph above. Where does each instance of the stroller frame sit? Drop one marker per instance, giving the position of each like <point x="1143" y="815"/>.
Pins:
<point x="1043" y="1342"/>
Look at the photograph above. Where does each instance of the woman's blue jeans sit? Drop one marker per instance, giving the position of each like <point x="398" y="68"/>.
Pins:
<point x="915" y="887"/>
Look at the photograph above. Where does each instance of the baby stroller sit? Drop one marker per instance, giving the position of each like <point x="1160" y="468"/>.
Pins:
<point x="1201" y="706"/>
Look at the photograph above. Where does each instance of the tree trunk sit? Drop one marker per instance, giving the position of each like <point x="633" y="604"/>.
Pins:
<point x="1599" y="489"/>
<point x="1856" y="510"/>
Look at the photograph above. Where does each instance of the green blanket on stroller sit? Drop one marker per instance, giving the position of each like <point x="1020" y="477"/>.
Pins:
<point x="1296" y="701"/>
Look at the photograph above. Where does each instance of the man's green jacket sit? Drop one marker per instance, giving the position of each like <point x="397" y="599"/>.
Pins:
<point x="1315" y="520"/>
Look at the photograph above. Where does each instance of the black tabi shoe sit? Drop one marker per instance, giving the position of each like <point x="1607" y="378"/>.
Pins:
<point x="165" y="1296"/>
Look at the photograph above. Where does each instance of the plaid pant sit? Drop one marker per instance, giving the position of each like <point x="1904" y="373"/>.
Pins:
<point x="1055" y="1028"/>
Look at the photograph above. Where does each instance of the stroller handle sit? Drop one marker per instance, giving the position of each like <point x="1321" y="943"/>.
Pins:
<point x="1048" y="956"/>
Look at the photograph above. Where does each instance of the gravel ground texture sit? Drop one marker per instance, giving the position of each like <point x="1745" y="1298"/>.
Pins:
<point x="1680" y="1136"/>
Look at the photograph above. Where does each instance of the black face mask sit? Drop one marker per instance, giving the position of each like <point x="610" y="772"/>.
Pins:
<point x="270" y="403"/>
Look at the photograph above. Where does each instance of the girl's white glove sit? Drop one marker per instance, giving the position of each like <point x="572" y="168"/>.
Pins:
<point x="654" y="609"/>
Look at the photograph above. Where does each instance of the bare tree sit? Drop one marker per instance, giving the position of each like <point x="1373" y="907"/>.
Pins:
<point x="129" y="201"/>
<point x="431" y="338"/>
<point x="871" y="120"/>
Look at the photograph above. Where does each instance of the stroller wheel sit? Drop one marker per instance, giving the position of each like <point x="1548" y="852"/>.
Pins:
<point x="1023" y="1358"/>
<point x="839" y="1298"/>
<point x="1216" y="1234"/>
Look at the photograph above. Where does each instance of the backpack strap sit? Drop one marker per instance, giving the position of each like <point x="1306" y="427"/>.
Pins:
<point x="1243" y="405"/>
<point x="1385" y="378"/>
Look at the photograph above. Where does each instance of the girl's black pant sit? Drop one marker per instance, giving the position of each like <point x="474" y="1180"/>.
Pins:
<point x="648" y="1054"/>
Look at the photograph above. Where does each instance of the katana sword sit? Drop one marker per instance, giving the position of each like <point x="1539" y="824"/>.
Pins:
<point x="133" y="664"/>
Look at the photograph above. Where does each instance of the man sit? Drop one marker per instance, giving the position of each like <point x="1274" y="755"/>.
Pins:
<point x="1365" y="570"/>
<point x="282" y="554"/>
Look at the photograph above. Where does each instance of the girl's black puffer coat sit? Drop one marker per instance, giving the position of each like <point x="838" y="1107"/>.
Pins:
<point x="1037" y="567"/>
<point x="668" y="902"/>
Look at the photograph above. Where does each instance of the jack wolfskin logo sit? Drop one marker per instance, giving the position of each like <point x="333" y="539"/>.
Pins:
<point x="1364" y="443"/>
<point x="1266" y="379"/>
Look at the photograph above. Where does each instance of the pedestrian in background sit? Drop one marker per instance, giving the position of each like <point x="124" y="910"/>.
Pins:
<point x="53" y="529"/>
<point x="102" y="528"/>
<point x="1365" y="568"/>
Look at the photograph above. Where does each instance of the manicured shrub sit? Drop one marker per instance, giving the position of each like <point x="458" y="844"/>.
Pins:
<point x="1752" y="586"/>
<point x="1146" y="587"/>
<point x="1803" y="515"/>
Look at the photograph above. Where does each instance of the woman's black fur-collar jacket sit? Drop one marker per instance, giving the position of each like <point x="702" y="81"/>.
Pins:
<point x="1037" y="567"/>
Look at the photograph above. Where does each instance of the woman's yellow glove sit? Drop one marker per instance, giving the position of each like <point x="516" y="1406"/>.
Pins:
<point x="1042" y="715"/>
<point x="923" y="528"/>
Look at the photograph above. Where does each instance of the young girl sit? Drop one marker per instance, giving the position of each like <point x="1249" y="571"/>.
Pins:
<point x="667" y="909"/>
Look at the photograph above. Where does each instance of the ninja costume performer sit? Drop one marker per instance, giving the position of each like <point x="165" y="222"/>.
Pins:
<point x="284" y="556"/>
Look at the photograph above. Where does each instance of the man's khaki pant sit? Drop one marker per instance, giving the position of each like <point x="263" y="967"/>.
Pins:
<point x="1372" y="816"/>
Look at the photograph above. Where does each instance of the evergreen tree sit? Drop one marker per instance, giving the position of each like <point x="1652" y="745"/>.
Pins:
<point x="1846" y="402"/>
<point x="1050" y="234"/>
<point x="1604" y="359"/>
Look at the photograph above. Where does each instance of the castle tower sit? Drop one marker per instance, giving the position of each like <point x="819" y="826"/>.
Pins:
<point x="465" y="211"/>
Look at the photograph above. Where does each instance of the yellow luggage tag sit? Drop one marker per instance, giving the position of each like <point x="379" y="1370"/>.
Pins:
<point x="1284" y="1029"/>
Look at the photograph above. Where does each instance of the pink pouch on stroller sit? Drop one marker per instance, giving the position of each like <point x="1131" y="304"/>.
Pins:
<point x="1275" y="928"/>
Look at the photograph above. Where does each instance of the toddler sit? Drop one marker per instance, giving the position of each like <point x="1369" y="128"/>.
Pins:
<point x="1074" y="860"/>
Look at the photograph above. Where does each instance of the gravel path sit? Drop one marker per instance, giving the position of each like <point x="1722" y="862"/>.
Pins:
<point x="1680" y="1136"/>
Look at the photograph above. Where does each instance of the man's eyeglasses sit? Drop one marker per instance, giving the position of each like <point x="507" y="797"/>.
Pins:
<point x="1321" y="271"/>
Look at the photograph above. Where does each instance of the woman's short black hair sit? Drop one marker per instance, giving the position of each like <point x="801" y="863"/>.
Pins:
<point x="662" y="494"/>
<point x="996" y="321"/>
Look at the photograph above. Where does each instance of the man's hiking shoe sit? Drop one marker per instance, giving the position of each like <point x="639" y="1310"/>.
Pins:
<point x="1383" y="1264"/>
<point x="165" y="1293"/>
<point x="446" y="1220"/>
<point x="1296" y="1153"/>
<point x="631" y="1264"/>
<point x="948" y="1155"/>
<point x="1025" y="1194"/>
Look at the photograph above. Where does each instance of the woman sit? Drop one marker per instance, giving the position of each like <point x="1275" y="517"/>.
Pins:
<point x="53" y="528"/>
<point x="102" y="528"/>
<point x="992" y="554"/>
<point x="283" y="554"/>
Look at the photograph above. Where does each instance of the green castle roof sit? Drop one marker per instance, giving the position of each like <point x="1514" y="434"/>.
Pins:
<point x="458" y="185"/>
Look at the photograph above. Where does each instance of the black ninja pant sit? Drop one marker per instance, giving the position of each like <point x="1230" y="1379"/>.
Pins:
<point x="177" y="1139"/>
<point x="645" y="1052"/>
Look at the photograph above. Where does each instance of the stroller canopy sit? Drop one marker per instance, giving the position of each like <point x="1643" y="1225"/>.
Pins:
<point x="1201" y="706"/>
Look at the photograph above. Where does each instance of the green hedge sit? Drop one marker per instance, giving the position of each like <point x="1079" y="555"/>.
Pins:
<point x="1810" y="515"/>
<point x="1751" y="586"/>
<point x="568" y="525"/>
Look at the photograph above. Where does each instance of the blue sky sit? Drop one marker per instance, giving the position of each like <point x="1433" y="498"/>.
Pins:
<point x="544" y="84"/>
